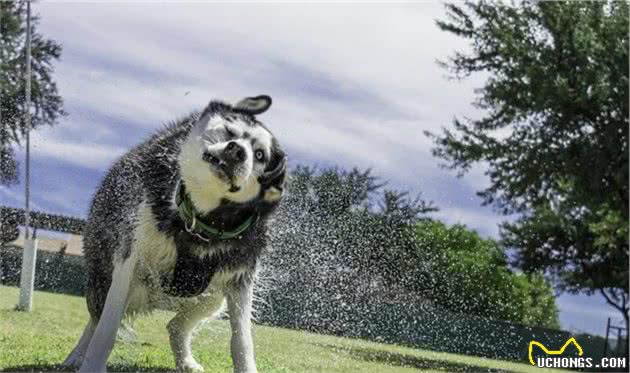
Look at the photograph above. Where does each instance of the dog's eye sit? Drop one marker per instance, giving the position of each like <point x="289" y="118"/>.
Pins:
<point x="229" y="132"/>
<point x="260" y="155"/>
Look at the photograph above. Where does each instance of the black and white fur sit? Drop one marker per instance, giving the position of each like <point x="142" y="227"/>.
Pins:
<point x="133" y="230"/>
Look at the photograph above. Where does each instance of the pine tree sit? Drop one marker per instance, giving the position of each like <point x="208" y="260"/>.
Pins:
<point x="46" y="104"/>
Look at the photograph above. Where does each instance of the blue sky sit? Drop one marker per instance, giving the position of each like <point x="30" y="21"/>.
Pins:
<point x="353" y="85"/>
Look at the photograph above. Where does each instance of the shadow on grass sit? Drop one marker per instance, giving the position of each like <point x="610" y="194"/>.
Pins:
<point x="61" y="368"/>
<point x="410" y="361"/>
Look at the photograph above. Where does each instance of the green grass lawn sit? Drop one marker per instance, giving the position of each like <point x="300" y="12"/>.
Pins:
<point x="40" y="340"/>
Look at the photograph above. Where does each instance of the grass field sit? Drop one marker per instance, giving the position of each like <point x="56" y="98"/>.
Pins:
<point x="40" y="340"/>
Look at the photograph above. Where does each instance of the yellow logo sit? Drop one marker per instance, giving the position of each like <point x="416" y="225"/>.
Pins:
<point x="554" y="352"/>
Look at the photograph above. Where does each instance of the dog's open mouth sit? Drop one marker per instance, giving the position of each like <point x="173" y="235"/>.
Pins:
<point x="224" y="170"/>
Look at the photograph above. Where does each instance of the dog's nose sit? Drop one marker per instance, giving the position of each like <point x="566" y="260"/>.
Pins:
<point x="234" y="152"/>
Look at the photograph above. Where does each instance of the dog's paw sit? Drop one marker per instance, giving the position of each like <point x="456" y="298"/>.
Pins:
<point x="190" y="366"/>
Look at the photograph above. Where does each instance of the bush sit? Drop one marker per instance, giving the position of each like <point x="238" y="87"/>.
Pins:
<point x="467" y="274"/>
<point x="54" y="271"/>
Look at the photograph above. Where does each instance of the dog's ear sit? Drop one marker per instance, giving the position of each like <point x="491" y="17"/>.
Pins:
<point x="273" y="181"/>
<point x="254" y="105"/>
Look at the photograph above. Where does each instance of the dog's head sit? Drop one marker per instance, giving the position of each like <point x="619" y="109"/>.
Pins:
<point x="230" y="156"/>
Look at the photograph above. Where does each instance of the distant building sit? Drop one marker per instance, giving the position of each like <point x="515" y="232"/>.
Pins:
<point x="54" y="242"/>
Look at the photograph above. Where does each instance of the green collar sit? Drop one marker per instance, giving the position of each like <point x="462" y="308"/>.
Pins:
<point x="194" y="225"/>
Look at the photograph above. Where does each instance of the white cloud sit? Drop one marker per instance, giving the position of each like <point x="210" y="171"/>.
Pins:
<point x="480" y="219"/>
<point x="354" y="84"/>
<point x="84" y="154"/>
<point x="17" y="199"/>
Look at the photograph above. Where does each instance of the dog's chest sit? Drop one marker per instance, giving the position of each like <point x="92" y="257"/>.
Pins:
<point x="155" y="250"/>
<point x="156" y="258"/>
<point x="160" y="263"/>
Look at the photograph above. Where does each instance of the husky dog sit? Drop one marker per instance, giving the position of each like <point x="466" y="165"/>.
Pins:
<point x="180" y="222"/>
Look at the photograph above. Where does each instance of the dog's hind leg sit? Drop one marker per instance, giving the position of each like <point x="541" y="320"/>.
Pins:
<point x="181" y="327"/>
<point x="115" y="304"/>
<point x="76" y="356"/>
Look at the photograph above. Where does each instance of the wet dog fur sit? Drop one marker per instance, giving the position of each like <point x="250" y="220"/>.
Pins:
<point x="231" y="167"/>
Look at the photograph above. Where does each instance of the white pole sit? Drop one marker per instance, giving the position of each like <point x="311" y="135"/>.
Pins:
<point x="29" y="256"/>
<point x="27" y="276"/>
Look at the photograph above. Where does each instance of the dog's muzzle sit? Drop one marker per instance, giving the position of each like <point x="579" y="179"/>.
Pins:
<point x="232" y="156"/>
<point x="233" y="153"/>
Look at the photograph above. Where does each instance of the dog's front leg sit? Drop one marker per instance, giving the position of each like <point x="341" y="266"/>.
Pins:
<point x="239" y="300"/>
<point x="115" y="304"/>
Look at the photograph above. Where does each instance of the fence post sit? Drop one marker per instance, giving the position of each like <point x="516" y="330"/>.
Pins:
<point x="27" y="275"/>
<point x="606" y="343"/>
